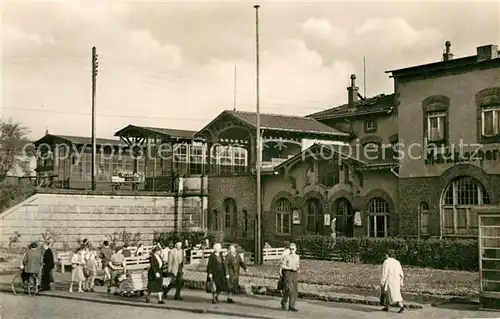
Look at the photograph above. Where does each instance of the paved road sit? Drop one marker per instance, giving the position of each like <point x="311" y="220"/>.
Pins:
<point x="40" y="307"/>
<point x="23" y="307"/>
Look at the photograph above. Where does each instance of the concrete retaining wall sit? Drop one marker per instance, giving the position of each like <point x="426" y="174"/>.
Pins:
<point x="97" y="216"/>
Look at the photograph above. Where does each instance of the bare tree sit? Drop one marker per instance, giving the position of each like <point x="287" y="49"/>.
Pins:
<point x="13" y="150"/>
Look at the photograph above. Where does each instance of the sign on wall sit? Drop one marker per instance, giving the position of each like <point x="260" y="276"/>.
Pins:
<point x="296" y="217"/>
<point x="327" y="219"/>
<point x="357" y="218"/>
<point x="460" y="156"/>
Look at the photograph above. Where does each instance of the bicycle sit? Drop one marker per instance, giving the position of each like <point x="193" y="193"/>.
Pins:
<point x="29" y="286"/>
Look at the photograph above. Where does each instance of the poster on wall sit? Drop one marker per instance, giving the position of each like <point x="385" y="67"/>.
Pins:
<point x="357" y="218"/>
<point x="296" y="217"/>
<point x="327" y="219"/>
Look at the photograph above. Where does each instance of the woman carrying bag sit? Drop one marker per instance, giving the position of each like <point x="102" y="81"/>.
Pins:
<point x="216" y="275"/>
<point x="155" y="275"/>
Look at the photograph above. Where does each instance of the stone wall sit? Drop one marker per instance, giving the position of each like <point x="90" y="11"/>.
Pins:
<point x="97" y="216"/>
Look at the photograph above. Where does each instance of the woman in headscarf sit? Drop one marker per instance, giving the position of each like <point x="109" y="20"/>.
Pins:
<point x="47" y="267"/>
<point x="216" y="275"/>
<point x="155" y="275"/>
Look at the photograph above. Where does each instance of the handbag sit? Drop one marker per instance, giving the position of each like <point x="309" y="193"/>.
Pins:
<point x="210" y="286"/>
<point x="281" y="284"/>
<point x="383" y="296"/>
<point x="166" y="281"/>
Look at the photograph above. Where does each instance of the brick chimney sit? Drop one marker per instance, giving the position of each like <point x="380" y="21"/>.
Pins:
<point x="447" y="55"/>
<point x="352" y="91"/>
<point x="487" y="52"/>
<point x="46" y="131"/>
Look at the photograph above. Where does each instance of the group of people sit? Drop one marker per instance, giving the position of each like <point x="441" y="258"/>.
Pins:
<point x="166" y="271"/>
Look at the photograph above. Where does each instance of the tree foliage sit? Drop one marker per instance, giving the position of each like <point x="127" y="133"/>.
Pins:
<point x="14" y="148"/>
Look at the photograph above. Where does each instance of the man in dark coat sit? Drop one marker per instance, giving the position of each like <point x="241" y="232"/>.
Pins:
<point x="48" y="266"/>
<point x="233" y="263"/>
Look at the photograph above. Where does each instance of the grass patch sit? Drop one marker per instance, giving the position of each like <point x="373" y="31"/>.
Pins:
<point x="366" y="276"/>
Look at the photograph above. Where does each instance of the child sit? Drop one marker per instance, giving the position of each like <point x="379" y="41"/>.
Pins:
<point x="77" y="262"/>
<point x="90" y="270"/>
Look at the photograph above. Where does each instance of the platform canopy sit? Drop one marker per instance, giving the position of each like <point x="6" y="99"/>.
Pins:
<point x="141" y="133"/>
<point x="272" y="125"/>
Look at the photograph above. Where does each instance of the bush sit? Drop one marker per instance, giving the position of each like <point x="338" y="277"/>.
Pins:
<point x="433" y="253"/>
<point x="193" y="238"/>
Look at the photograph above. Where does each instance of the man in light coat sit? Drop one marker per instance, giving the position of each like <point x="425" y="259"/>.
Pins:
<point x="391" y="281"/>
<point x="175" y="265"/>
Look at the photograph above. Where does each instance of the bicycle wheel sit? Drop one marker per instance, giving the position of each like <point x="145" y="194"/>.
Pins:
<point x="32" y="285"/>
<point x="17" y="285"/>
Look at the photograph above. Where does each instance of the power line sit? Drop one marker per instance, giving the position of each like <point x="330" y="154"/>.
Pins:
<point x="190" y="83"/>
<point x="105" y="115"/>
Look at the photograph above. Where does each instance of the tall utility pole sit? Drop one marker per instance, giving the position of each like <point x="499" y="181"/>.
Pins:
<point x="234" y="87"/>
<point x="258" y="146"/>
<point x="94" y="75"/>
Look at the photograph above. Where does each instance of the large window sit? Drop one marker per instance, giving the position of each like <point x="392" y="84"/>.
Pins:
<point x="491" y="121"/>
<point x="196" y="159"/>
<point x="378" y="214"/>
<point x="230" y="160"/>
<point x="436" y="126"/>
<point x="314" y="217"/>
<point x="224" y="160"/>
<point x="283" y="216"/>
<point x="181" y="159"/>
<point x="458" y="199"/>
<point x="328" y="173"/>
<point x="231" y="213"/>
<point x="239" y="159"/>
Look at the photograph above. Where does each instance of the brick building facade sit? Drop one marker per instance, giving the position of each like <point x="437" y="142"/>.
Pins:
<point x="449" y="133"/>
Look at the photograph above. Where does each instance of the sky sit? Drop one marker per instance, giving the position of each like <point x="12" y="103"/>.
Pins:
<point x="172" y="64"/>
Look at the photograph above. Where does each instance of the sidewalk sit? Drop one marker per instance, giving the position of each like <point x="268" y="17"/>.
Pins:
<point x="261" y="307"/>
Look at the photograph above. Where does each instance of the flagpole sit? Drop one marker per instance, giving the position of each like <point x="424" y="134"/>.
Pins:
<point x="258" y="248"/>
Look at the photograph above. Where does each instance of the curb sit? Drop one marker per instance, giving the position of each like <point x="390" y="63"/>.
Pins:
<point x="156" y="306"/>
<point x="269" y="291"/>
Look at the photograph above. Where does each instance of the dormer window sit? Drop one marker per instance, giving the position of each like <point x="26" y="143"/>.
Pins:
<point x="370" y="126"/>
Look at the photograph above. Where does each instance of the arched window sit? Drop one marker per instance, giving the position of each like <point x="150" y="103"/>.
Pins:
<point x="459" y="197"/>
<point x="283" y="216"/>
<point x="423" y="210"/>
<point x="231" y="212"/>
<point x="314" y="217"/>
<point x="378" y="211"/>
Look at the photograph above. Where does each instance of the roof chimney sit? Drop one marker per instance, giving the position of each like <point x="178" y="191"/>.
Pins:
<point x="447" y="55"/>
<point x="352" y="91"/>
<point x="487" y="52"/>
<point x="46" y="131"/>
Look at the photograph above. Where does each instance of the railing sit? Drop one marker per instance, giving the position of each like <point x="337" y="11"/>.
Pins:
<point x="200" y="256"/>
<point x="272" y="253"/>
